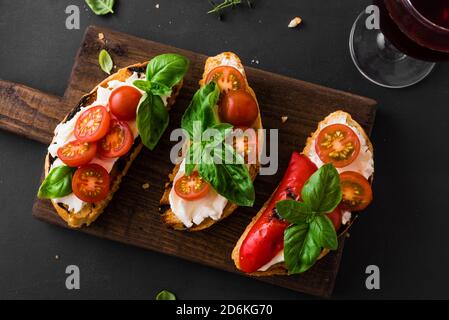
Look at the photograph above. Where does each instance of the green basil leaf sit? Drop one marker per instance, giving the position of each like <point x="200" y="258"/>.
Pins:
<point x="294" y="211"/>
<point x="202" y="109"/>
<point x="165" y="295"/>
<point x="167" y="69"/>
<point x="160" y="89"/>
<point x="301" y="249"/>
<point x="142" y="85"/>
<point x="193" y="157"/>
<point x="232" y="181"/>
<point x="101" y="7"/>
<point x="322" y="192"/>
<point x="152" y="119"/>
<point x="57" y="184"/>
<point x="325" y="232"/>
<point x="105" y="61"/>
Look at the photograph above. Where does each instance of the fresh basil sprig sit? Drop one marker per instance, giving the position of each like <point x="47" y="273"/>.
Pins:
<point x="57" y="184"/>
<point x="101" y="7"/>
<point x="311" y="229"/>
<point x="231" y="180"/>
<point x="163" y="72"/>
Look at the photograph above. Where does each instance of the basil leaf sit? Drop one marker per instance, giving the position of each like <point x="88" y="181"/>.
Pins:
<point x="57" y="184"/>
<point x="193" y="157"/>
<point x="142" y="85"/>
<point x="232" y="181"/>
<point x="322" y="192"/>
<point x="294" y="211"/>
<point x="101" y="7"/>
<point x="160" y="89"/>
<point x="152" y="120"/>
<point x="167" y="69"/>
<point x="202" y="109"/>
<point x="105" y="61"/>
<point x="165" y="295"/>
<point x="301" y="248"/>
<point x="325" y="232"/>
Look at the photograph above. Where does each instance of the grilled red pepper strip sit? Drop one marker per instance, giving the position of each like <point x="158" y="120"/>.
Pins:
<point x="266" y="238"/>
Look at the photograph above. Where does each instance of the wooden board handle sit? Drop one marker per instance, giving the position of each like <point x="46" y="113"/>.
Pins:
<point x="28" y="112"/>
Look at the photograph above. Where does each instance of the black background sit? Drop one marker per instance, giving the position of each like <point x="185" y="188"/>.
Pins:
<point x="404" y="231"/>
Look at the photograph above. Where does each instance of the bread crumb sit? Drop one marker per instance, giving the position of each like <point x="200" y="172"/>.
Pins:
<point x="347" y="235"/>
<point x="101" y="36"/>
<point x="56" y="257"/>
<point x="284" y="119"/>
<point x="145" y="186"/>
<point x="157" y="6"/>
<point x="296" y="21"/>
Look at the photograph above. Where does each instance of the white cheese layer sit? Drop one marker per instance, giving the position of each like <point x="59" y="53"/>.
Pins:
<point x="211" y="206"/>
<point x="64" y="133"/>
<point x="363" y="164"/>
<point x="195" y="211"/>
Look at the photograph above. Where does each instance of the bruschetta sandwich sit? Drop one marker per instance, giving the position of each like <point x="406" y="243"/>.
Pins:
<point x="322" y="190"/>
<point x="201" y="193"/>
<point x="96" y="143"/>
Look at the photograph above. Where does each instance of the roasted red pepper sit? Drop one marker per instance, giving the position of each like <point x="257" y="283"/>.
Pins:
<point x="266" y="237"/>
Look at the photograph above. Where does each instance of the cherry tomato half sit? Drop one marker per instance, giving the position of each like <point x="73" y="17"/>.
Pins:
<point x="90" y="183"/>
<point x="123" y="102"/>
<point x="335" y="217"/>
<point x="92" y="124"/>
<point x="357" y="192"/>
<point x="227" y="78"/>
<point x="77" y="153"/>
<point x="245" y="143"/>
<point x="238" y="108"/>
<point x="191" y="187"/>
<point x="117" y="142"/>
<point x="337" y="144"/>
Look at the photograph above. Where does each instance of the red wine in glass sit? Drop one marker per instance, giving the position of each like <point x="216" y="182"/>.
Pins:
<point x="418" y="28"/>
<point x="413" y="35"/>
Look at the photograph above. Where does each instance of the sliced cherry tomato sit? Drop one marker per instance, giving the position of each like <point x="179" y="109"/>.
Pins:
<point x="245" y="143"/>
<point x="77" y="153"/>
<point x="337" y="144"/>
<point x="238" y="108"/>
<point x="90" y="183"/>
<point x="92" y="124"/>
<point x="117" y="142"/>
<point x="335" y="217"/>
<point x="227" y="78"/>
<point x="266" y="237"/>
<point x="357" y="192"/>
<point x="123" y="102"/>
<point x="191" y="187"/>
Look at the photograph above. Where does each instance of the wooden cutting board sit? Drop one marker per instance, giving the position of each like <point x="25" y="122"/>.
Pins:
<point x="132" y="217"/>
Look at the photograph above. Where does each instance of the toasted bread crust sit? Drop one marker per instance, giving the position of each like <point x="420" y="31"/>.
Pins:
<point x="91" y="211"/>
<point x="280" y="268"/>
<point x="167" y="215"/>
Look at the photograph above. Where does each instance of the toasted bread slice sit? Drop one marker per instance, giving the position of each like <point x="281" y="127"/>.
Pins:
<point x="167" y="214"/>
<point x="280" y="268"/>
<point x="91" y="211"/>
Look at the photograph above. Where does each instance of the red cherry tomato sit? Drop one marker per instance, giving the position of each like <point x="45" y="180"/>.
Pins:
<point x="238" y="108"/>
<point x="337" y="144"/>
<point x="266" y="237"/>
<point x="92" y="124"/>
<point x="335" y="217"/>
<point x="77" y="153"/>
<point x="191" y="187"/>
<point x="227" y="78"/>
<point x="123" y="102"/>
<point x="117" y="142"/>
<point x="357" y="192"/>
<point x="90" y="183"/>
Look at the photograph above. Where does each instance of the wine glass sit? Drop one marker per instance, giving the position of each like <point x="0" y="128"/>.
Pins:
<point x="413" y="35"/>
